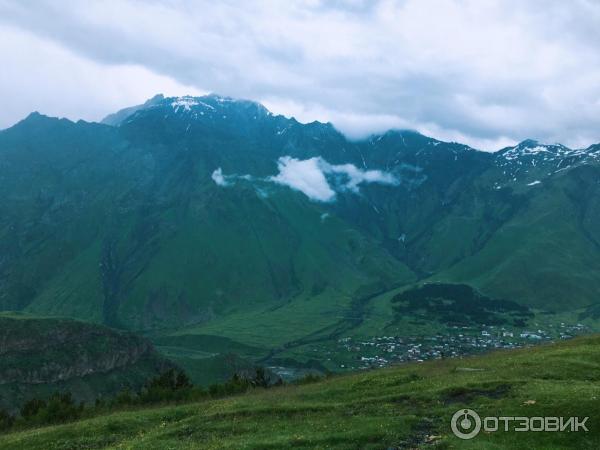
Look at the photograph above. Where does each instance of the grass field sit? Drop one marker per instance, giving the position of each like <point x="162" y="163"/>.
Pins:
<point x="315" y="342"/>
<point x="408" y="406"/>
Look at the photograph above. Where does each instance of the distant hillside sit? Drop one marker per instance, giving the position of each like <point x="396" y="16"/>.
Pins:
<point x="210" y="216"/>
<point x="39" y="356"/>
<point x="408" y="406"/>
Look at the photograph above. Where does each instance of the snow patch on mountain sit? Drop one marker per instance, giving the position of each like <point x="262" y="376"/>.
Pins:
<point x="184" y="102"/>
<point x="531" y="159"/>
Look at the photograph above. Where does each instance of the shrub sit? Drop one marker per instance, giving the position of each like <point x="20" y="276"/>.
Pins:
<point x="31" y="408"/>
<point x="309" y="378"/>
<point x="58" y="408"/>
<point x="236" y="385"/>
<point x="6" y="420"/>
<point x="260" y="378"/>
<point x="169" y="386"/>
<point x="171" y="379"/>
<point x="125" y="397"/>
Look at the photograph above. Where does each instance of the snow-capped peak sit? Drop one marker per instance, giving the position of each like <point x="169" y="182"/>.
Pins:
<point x="531" y="158"/>
<point x="184" y="102"/>
<point x="532" y="148"/>
<point x="213" y="104"/>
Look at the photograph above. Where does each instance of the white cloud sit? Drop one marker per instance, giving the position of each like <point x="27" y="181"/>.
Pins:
<point x="309" y="176"/>
<point x="487" y="71"/>
<point x="218" y="177"/>
<point x="305" y="176"/>
<point x="356" y="176"/>
<point x="227" y="180"/>
<point x="41" y="75"/>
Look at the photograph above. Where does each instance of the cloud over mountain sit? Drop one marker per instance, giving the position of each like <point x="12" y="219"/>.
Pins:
<point x="306" y="176"/>
<point x="218" y="177"/>
<point x="488" y="73"/>
<point x="315" y="177"/>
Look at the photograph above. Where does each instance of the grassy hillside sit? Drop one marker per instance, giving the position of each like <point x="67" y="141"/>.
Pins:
<point x="546" y="256"/>
<point x="408" y="406"/>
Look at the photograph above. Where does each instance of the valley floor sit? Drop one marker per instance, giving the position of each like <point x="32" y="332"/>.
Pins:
<point x="405" y="406"/>
<point x="372" y="336"/>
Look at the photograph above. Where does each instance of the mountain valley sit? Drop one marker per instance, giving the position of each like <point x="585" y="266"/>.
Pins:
<point x="212" y="227"/>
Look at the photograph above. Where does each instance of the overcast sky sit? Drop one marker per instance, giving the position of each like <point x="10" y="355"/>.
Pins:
<point x="486" y="73"/>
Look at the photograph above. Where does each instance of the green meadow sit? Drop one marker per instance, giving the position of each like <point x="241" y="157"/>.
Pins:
<point x="406" y="406"/>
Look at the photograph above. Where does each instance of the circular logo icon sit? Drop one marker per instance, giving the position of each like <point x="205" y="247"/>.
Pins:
<point x="465" y="424"/>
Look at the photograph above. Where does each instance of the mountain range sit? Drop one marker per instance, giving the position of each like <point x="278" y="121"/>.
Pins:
<point x="211" y="221"/>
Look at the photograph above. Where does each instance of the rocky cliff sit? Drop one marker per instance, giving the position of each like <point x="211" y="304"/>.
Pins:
<point x="41" y="355"/>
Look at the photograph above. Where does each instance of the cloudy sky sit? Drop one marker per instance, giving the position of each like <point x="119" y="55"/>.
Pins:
<point x="484" y="72"/>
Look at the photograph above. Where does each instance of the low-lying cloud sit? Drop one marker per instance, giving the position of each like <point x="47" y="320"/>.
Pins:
<point x="321" y="181"/>
<point x="219" y="178"/>
<point x="315" y="177"/>
<point x="356" y="176"/>
<point x="306" y="176"/>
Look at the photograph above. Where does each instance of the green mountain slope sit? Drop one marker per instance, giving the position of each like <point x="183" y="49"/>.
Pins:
<point x="209" y="219"/>
<point x="546" y="256"/>
<point x="409" y="406"/>
<point x="151" y="240"/>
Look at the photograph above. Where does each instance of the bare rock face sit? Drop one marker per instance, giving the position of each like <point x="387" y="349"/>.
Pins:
<point x="56" y="350"/>
<point x="43" y="354"/>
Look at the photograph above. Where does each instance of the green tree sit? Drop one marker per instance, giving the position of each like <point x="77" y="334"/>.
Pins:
<point x="31" y="408"/>
<point x="6" y="420"/>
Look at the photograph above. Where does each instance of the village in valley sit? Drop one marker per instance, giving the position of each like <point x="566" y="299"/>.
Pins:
<point x="353" y="353"/>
